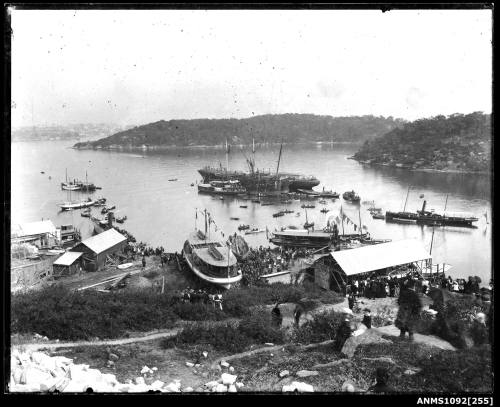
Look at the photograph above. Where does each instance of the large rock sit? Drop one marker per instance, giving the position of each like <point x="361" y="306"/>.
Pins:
<point x="368" y="336"/>
<point x="228" y="379"/>
<point x="298" y="386"/>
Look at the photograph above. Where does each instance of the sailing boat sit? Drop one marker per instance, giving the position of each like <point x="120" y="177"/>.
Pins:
<point x="70" y="205"/>
<point x="71" y="185"/>
<point x="308" y="224"/>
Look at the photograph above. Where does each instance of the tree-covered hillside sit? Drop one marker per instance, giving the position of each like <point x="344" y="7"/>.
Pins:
<point x="457" y="142"/>
<point x="291" y="128"/>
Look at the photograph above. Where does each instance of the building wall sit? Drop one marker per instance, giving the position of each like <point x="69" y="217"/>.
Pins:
<point x="94" y="262"/>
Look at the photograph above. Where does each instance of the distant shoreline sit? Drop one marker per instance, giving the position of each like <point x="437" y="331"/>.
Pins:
<point x="450" y="171"/>
<point x="217" y="146"/>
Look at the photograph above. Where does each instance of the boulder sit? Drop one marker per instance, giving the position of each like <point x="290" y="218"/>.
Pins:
<point x="157" y="385"/>
<point x="211" y="384"/>
<point x="228" y="379"/>
<point x="232" y="389"/>
<point x="231" y="369"/>
<point x="187" y="390"/>
<point x="220" y="388"/>
<point x="239" y="385"/>
<point x="284" y="373"/>
<point x="307" y="373"/>
<point x="34" y="376"/>
<point x="348" y="387"/>
<point x="205" y="354"/>
<point x="298" y="386"/>
<point x="189" y="364"/>
<point x="109" y="379"/>
<point x="368" y="336"/>
<point x="140" y="381"/>
<point x="173" y="387"/>
<point x="224" y="363"/>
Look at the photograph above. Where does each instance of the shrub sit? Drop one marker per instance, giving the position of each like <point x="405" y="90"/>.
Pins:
<point x="255" y="329"/>
<point x="321" y="328"/>
<point x="197" y="312"/>
<point x="57" y="312"/>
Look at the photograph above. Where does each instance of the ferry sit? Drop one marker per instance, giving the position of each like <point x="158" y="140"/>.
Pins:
<point x="68" y="206"/>
<point x="211" y="260"/>
<point x="431" y="218"/>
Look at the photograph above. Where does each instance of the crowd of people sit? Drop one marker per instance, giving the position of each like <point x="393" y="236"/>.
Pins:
<point x="264" y="260"/>
<point x="200" y="296"/>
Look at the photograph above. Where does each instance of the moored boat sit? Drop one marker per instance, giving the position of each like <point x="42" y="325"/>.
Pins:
<point x="351" y="196"/>
<point x="231" y="187"/>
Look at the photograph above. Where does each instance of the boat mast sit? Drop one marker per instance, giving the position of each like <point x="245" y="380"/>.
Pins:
<point x="445" y="204"/>
<point x="342" y="217"/>
<point x="205" y="224"/>
<point x="359" y="214"/>
<point x="227" y="156"/>
<point x="279" y="159"/>
<point x="432" y="241"/>
<point x="406" y="200"/>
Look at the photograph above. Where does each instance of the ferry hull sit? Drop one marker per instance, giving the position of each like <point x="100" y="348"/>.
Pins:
<point x="222" y="282"/>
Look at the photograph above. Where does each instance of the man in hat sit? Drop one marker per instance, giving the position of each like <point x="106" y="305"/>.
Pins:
<point x="367" y="318"/>
<point x="409" y="310"/>
<point x="344" y="331"/>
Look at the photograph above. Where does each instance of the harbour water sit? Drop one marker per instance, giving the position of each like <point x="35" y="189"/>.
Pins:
<point x="162" y="212"/>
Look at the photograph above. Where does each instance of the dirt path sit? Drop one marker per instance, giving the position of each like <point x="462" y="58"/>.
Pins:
<point x="109" y="342"/>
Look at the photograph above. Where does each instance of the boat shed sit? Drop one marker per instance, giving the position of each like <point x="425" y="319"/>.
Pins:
<point x="67" y="264"/>
<point x="383" y="256"/>
<point x="97" y="248"/>
<point x="42" y="234"/>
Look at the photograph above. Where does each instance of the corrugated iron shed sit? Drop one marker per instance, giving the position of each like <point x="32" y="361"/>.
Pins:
<point x="68" y="258"/>
<point x="380" y="256"/>
<point x="104" y="241"/>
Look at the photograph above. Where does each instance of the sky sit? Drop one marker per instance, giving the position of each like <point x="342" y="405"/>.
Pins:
<point x="140" y="66"/>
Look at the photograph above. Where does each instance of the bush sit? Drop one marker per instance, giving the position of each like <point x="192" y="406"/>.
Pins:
<point x="323" y="327"/>
<point x="57" y="312"/>
<point x="255" y="329"/>
<point x="196" y="311"/>
<point x="238" y="302"/>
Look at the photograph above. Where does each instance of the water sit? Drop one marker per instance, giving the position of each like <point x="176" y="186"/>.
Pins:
<point x="162" y="213"/>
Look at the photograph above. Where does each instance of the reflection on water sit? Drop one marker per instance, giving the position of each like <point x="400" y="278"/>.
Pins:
<point x="162" y="213"/>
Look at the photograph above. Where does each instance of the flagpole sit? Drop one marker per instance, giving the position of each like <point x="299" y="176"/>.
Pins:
<point x="342" y="217"/>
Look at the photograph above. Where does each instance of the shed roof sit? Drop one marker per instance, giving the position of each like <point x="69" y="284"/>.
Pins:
<point x="104" y="240"/>
<point x="33" y="228"/>
<point x="67" y="259"/>
<point x="380" y="256"/>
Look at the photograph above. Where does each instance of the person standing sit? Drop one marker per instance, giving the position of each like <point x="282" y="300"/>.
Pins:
<point x="367" y="319"/>
<point x="297" y="313"/>
<point x="143" y="262"/>
<point x="350" y="301"/>
<point x="343" y="333"/>
<point x="409" y="310"/>
<point x="276" y="316"/>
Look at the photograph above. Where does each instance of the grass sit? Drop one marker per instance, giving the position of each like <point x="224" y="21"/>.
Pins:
<point x="59" y="313"/>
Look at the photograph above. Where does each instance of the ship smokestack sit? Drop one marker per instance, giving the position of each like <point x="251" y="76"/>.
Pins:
<point x="111" y="217"/>
<point x="423" y="205"/>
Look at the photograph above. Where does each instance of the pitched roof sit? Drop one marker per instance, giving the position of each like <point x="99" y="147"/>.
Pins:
<point x="104" y="240"/>
<point x="67" y="259"/>
<point x="380" y="256"/>
<point x="33" y="228"/>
